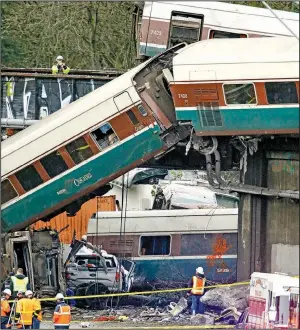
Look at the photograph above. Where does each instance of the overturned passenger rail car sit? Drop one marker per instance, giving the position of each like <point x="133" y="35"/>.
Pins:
<point x="168" y="245"/>
<point x="70" y="156"/>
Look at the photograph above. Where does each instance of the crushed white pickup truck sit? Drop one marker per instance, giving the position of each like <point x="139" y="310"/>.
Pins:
<point x="87" y="270"/>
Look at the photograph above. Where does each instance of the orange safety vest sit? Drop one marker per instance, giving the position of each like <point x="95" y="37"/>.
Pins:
<point x="5" y="309"/>
<point x="37" y="307"/>
<point x="25" y="307"/>
<point x="62" y="316"/>
<point x="198" y="285"/>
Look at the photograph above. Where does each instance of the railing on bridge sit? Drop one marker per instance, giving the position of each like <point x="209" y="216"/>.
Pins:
<point x="31" y="94"/>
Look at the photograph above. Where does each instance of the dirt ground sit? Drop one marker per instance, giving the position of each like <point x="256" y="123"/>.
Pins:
<point x="135" y="326"/>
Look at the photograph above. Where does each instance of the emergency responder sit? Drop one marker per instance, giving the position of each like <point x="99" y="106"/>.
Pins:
<point x="60" y="66"/>
<point x="20" y="295"/>
<point x="37" y="313"/>
<point x="62" y="313"/>
<point x="24" y="311"/>
<point x="5" y="309"/>
<point x="197" y="283"/>
<point x="19" y="282"/>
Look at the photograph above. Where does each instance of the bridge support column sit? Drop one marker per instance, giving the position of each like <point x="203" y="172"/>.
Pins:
<point x="268" y="232"/>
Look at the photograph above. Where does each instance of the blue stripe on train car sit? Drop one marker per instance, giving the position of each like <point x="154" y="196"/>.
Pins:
<point x="97" y="169"/>
<point x="242" y="119"/>
<point x="181" y="270"/>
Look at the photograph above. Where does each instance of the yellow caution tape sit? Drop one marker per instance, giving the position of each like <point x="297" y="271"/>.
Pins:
<point x="143" y="292"/>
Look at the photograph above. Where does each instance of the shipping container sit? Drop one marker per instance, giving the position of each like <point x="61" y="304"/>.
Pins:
<point x="77" y="224"/>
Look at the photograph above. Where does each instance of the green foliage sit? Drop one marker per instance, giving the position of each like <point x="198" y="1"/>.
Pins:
<point x="277" y="5"/>
<point x="90" y="35"/>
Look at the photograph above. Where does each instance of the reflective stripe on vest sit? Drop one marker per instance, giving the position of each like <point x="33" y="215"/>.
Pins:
<point x="66" y="71"/>
<point x="5" y="309"/>
<point x="64" y="315"/>
<point x="25" y="307"/>
<point x="54" y="69"/>
<point x="37" y="307"/>
<point x="198" y="285"/>
<point x="20" y="284"/>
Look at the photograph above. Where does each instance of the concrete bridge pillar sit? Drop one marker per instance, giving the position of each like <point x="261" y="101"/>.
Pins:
<point x="268" y="234"/>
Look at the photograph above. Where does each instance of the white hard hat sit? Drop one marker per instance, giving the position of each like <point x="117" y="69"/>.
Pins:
<point x="60" y="296"/>
<point x="7" y="291"/>
<point x="28" y="293"/>
<point x="200" y="270"/>
<point x="59" y="57"/>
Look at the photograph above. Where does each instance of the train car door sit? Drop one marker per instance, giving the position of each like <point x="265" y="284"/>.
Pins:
<point x="185" y="27"/>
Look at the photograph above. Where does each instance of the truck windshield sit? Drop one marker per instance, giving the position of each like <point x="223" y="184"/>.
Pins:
<point x="94" y="261"/>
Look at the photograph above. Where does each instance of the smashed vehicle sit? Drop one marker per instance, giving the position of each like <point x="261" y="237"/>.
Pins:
<point x="40" y="254"/>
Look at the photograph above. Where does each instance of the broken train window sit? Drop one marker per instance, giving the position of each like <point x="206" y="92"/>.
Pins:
<point x="54" y="164"/>
<point x="105" y="136"/>
<point x="185" y="27"/>
<point x="8" y="192"/>
<point x="239" y="93"/>
<point x="79" y="150"/>
<point x="155" y="245"/>
<point x="29" y="178"/>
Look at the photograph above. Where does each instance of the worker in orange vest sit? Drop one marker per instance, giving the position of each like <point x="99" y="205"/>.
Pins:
<point x="62" y="313"/>
<point x="24" y="311"/>
<point x="5" y="309"/>
<point x="197" y="283"/>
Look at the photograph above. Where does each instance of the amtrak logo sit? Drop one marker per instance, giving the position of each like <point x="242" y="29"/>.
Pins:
<point x="82" y="179"/>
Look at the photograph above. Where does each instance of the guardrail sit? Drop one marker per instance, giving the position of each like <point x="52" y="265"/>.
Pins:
<point x="31" y="94"/>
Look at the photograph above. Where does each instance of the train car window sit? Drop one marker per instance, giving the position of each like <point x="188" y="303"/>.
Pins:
<point x="185" y="27"/>
<point x="155" y="245"/>
<point x="281" y="92"/>
<point x="142" y="111"/>
<point x="8" y="192"/>
<point x="54" y="164"/>
<point x="208" y="244"/>
<point x="29" y="178"/>
<point x="105" y="136"/>
<point x="79" y="150"/>
<point x="132" y="117"/>
<point x="239" y="94"/>
<point x="215" y="34"/>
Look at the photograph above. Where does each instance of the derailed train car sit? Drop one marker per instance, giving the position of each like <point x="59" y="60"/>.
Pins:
<point x="163" y="24"/>
<point x="226" y="89"/>
<point x="168" y="245"/>
<point x="70" y="156"/>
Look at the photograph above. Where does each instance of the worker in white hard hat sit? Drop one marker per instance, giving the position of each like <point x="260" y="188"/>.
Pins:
<point x="197" y="283"/>
<point x="5" y="309"/>
<point x="60" y="66"/>
<point x="24" y="311"/>
<point x="62" y="313"/>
